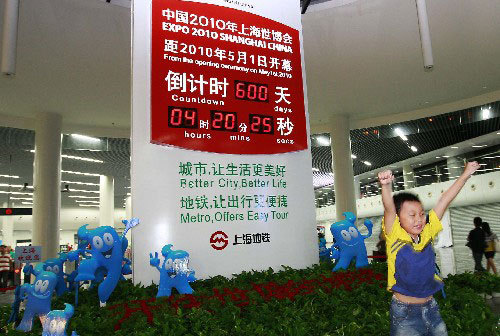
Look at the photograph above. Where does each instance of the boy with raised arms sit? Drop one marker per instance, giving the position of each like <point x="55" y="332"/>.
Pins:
<point x="410" y="256"/>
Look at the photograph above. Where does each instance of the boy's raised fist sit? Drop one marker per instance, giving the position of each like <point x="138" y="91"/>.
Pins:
<point x="385" y="177"/>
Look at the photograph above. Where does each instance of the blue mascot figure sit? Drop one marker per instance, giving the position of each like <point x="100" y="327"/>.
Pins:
<point x="349" y="242"/>
<point x="107" y="250"/>
<point x="57" y="321"/>
<point x="54" y="265"/>
<point x="38" y="296"/>
<point x="174" y="273"/>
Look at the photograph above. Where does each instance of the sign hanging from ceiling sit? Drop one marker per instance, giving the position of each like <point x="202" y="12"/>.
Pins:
<point x="212" y="79"/>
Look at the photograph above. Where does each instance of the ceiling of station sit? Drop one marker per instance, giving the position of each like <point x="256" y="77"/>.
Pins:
<point x="379" y="146"/>
<point x="362" y="58"/>
<point x="16" y="159"/>
<point x="382" y="146"/>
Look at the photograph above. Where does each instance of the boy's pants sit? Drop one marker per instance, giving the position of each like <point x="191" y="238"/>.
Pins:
<point x="478" y="259"/>
<point x="409" y="319"/>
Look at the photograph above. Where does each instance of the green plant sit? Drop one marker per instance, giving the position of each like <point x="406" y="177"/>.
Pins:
<point x="291" y="302"/>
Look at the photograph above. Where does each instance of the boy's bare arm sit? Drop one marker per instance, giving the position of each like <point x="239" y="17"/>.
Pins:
<point x="385" y="178"/>
<point x="449" y="195"/>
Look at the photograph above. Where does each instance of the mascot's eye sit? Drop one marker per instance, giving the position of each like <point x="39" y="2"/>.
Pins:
<point x="38" y="285"/>
<point x="55" y="269"/>
<point x="169" y="263"/>
<point x="353" y="232"/>
<point x="97" y="242"/>
<point x="108" y="239"/>
<point x="53" y="326"/>
<point x="48" y="269"/>
<point x="345" y="235"/>
<point x="44" y="286"/>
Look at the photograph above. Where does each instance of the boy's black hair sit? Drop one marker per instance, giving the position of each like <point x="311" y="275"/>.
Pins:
<point x="486" y="228"/>
<point x="402" y="197"/>
<point x="477" y="221"/>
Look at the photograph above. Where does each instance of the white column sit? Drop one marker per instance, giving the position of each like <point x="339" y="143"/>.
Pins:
<point x="357" y="188"/>
<point x="128" y="207"/>
<point x="128" y="215"/>
<point x="47" y="184"/>
<point x="455" y="167"/>
<point x="106" y="200"/>
<point x="408" y="177"/>
<point x="342" y="166"/>
<point x="9" y="38"/>
<point x="8" y="229"/>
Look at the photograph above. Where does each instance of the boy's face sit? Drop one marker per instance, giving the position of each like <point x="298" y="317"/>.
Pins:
<point x="412" y="218"/>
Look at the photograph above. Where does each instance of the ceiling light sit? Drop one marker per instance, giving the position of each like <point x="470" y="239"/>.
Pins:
<point x="16" y="193"/>
<point x="438" y="157"/>
<point x="79" y="173"/>
<point x="75" y="157"/>
<point x="82" y="183"/>
<point x="22" y="198"/>
<point x="446" y="156"/>
<point x="85" y="137"/>
<point x="95" y="202"/>
<point x="353" y="156"/>
<point x="367" y="163"/>
<point x="323" y="141"/>
<point x="74" y="196"/>
<point x="455" y="147"/>
<point x="16" y="186"/>
<point x="413" y="148"/>
<point x="85" y="191"/>
<point x="10" y="176"/>
<point x="81" y="158"/>
<point x="400" y="133"/>
<point x="486" y="112"/>
<point x="314" y="170"/>
<point x="89" y="205"/>
<point x="27" y="203"/>
<point x="479" y="146"/>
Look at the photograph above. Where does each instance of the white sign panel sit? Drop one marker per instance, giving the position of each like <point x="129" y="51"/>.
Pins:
<point x="28" y="254"/>
<point x="221" y="162"/>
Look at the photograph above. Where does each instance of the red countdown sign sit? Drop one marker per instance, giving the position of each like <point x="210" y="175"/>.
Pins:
<point x="225" y="81"/>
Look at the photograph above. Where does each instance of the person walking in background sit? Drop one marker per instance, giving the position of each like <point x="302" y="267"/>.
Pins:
<point x="476" y="242"/>
<point x="489" y="251"/>
<point x="5" y="261"/>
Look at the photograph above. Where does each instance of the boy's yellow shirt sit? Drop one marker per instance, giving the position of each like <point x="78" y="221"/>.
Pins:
<point x="416" y="278"/>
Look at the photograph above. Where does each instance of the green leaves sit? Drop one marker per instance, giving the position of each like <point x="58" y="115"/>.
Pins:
<point x="313" y="309"/>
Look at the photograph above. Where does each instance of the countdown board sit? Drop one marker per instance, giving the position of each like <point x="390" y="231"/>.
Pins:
<point x="221" y="164"/>
<point x="225" y="81"/>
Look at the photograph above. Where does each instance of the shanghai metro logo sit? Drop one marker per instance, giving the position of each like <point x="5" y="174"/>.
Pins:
<point x="219" y="240"/>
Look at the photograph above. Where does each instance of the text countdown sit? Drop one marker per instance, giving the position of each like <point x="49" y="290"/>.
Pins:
<point x="225" y="81"/>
